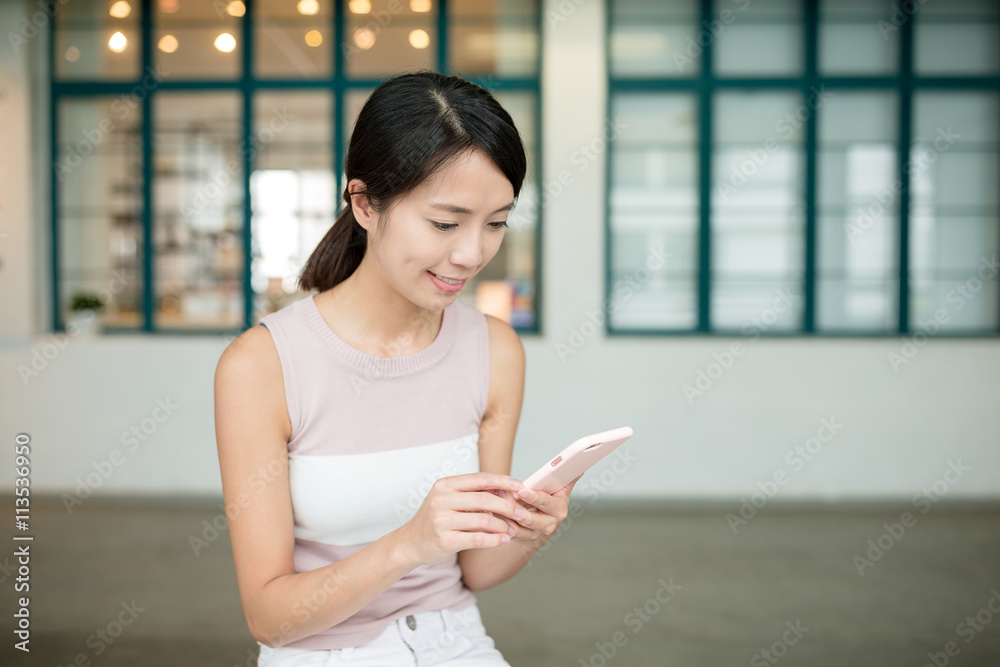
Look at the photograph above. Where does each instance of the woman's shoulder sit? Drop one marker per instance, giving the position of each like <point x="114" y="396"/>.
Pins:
<point x="505" y="344"/>
<point x="249" y="376"/>
<point x="250" y="357"/>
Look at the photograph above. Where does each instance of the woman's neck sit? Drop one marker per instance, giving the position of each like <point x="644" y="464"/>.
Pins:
<point x="369" y="314"/>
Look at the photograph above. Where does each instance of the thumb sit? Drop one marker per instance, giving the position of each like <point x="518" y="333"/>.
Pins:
<point x="565" y="491"/>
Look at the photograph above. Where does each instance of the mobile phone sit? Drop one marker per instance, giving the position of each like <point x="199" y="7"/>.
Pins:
<point x="575" y="459"/>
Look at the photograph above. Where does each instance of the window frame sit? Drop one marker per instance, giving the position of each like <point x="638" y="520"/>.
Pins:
<point x="247" y="84"/>
<point x="905" y="83"/>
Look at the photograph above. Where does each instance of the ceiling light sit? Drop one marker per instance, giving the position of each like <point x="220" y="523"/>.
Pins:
<point x="314" y="38"/>
<point x="225" y="42"/>
<point x="420" y="6"/>
<point x="308" y="7"/>
<point x="236" y="8"/>
<point x="167" y="44"/>
<point x="120" y="9"/>
<point x="419" y="39"/>
<point x="117" y="43"/>
<point x="364" y="38"/>
<point x="360" y="6"/>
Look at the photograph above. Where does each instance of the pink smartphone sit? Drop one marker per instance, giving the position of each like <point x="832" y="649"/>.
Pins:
<point x="576" y="459"/>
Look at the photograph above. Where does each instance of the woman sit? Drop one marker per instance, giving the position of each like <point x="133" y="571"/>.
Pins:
<point x="365" y="433"/>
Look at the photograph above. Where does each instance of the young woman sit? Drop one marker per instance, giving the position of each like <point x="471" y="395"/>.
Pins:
<point x="365" y="432"/>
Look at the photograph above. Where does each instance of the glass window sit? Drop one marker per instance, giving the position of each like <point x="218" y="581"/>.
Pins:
<point x="388" y="36"/>
<point x="493" y="37"/>
<point x="201" y="204"/>
<point x="757" y="208"/>
<point x="293" y="191"/>
<point x="655" y="38"/>
<point x="857" y="214"/>
<point x="858" y="37"/>
<point x="96" y="39"/>
<point x="353" y="101"/>
<point x="762" y="38"/>
<point x="654" y="211"/>
<point x="957" y="37"/>
<point x="198" y="40"/>
<point x="98" y="176"/>
<point x="506" y="287"/>
<point x="293" y="40"/>
<point x="198" y="210"/>
<point x="954" y="209"/>
<point x="801" y="169"/>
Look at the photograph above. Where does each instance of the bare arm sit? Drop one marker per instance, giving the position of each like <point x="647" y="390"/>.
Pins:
<point x="485" y="568"/>
<point x="280" y="604"/>
<point x="252" y="430"/>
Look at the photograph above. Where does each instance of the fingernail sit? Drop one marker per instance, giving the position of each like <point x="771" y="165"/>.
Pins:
<point x="524" y="493"/>
<point x="519" y="512"/>
<point x="515" y="484"/>
<point x="512" y="530"/>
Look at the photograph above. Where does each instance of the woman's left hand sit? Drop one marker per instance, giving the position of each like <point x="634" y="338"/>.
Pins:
<point x="545" y="512"/>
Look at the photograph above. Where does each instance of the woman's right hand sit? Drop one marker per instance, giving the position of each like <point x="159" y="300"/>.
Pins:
<point x="460" y="512"/>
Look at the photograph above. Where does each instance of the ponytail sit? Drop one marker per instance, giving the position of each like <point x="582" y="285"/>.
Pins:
<point x="337" y="255"/>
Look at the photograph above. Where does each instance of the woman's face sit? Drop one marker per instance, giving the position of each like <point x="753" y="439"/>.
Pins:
<point x="450" y="227"/>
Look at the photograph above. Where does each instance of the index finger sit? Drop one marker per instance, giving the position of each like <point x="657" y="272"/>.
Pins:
<point x="481" y="481"/>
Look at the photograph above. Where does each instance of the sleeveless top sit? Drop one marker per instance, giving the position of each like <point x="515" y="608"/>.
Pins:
<point x="369" y="437"/>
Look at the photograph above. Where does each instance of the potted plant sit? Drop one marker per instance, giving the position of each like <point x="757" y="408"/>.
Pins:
<point x="84" y="307"/>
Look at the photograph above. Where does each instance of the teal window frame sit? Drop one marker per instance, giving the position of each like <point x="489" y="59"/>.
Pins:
<point x="248" y="84"/>
<point x="905" y="83"/>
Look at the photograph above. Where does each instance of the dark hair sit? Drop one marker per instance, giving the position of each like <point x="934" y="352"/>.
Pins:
<point x="408" y="128"/>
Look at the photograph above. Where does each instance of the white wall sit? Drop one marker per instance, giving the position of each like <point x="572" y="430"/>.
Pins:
<point x="900" y="428"/>
<point x="18" y="243"/>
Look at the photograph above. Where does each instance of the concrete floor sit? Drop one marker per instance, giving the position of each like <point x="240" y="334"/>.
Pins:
<point x="738" y="596"/>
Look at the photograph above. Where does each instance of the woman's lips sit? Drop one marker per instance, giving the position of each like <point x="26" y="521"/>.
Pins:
<point x="443" y="286"/>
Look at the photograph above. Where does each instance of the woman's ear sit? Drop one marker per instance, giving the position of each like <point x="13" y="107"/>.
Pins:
<point x="361" y="206"/>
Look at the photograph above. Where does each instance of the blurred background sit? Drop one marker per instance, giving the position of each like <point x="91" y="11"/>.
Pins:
<point x="762" y="233"/>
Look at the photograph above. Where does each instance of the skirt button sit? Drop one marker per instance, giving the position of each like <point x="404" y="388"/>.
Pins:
<point x="411" y="622"/>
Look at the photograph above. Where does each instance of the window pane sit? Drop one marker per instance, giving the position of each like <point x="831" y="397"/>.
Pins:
<point x="654" y="38"/>
<point x="954" y="209"/>
<point x="99" y="179"/>
<point x="858" y="37"/>
<point x="957" y="37"/>
<point x="198" y="210"/>
<point x="95" y="39"/>
<point x="198" y="40"/>
<point x="493" y="37"/>
<point x="292" y="40"/>
<point x="759" y="39"/>
<point x="385" y="37"/>
<point x="857" y="210"/>
<point x="354" y="100"/>
<point x="506" y="287"/>
<point x="757" y="208"/>
<point x="654" y="210"/>
<point x="293" y="191"/>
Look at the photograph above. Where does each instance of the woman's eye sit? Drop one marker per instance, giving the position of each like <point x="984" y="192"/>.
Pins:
<point x="445" y="227"/>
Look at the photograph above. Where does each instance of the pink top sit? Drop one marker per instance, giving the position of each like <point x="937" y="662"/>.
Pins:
<point x="369" y="437"/>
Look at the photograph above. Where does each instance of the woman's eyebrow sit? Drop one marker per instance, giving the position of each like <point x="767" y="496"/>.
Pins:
<point x="455" y="208"/>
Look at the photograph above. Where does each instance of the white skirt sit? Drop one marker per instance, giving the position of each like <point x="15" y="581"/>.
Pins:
<point x="446" y="638"/>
